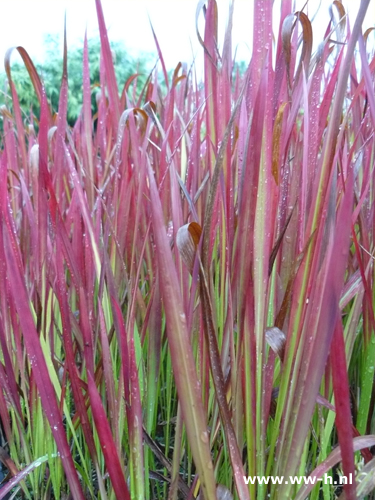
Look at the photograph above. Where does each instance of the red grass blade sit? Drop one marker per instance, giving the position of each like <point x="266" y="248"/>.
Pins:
<point x="111" y="458"/>
<point x="114" y="101"/>
<point x="181" y="353"/>
<point x="342" y="404"/>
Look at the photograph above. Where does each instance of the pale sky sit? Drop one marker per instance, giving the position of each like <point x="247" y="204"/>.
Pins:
<point x="26" y="22"/>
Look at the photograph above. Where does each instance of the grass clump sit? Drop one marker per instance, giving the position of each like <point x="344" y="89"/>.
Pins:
<point x="186" y="286"/>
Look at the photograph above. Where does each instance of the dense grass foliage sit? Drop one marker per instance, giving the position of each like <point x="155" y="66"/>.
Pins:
<point x="187" y="279"/>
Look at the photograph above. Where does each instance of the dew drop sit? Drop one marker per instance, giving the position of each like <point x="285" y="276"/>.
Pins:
<point x="204" y="436"/>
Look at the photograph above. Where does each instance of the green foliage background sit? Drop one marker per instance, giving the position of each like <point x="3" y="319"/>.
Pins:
<point x="50" y="72"/>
